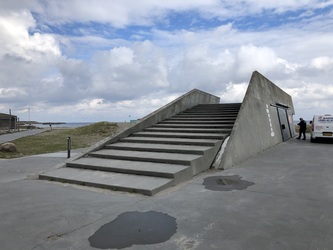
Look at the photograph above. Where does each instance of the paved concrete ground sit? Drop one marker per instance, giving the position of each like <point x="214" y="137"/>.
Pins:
<point x="16" y="135"/>
<point x="289" y="205"/>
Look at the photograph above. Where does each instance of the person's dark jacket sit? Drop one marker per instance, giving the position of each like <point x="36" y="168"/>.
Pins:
<point x="302" y="125"/>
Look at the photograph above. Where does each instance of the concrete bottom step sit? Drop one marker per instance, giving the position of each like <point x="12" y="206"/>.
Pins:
<point x="177" y="172"/>
<point x="114" y="181"/>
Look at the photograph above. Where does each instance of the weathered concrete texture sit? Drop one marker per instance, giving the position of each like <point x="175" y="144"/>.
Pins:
<point x="257" y="126"/>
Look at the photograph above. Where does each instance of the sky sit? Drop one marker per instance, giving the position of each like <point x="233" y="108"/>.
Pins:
<point x="119" y="60"/>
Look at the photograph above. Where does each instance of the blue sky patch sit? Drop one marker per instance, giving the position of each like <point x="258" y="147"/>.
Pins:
<point x="187" y="20"/>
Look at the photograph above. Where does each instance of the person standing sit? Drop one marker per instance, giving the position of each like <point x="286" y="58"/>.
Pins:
<point x="302" y="128"/>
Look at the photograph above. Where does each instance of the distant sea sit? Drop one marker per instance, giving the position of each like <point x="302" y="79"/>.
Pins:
<point x="66" y="125"/>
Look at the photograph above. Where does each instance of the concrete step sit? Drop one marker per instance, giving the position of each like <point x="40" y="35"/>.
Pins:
<point x="203" y="122"/>
<point x="210" y="111"/>
<point x="219" y="105"/>
<point x="154" y="147"/>
<point x="146" y="185"/>
<point x="173" y="171"/>
<point x="196" y="117"/>
<point x="188" y="130"/>
<point x="207" y="112"/>
<point x="219" y="126"/>
<point x="221" y="113"/>
<point x="203" y="115"/>
<point x="201" y="118"/>
<point x="181" y="135"/>
<point x="171" y="158"/>
<point x="172" y="141"/>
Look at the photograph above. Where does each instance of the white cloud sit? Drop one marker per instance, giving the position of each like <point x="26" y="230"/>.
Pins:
<point x="16" y="40"/>
<point x="125" y="72"/>
<point x="234" y="93"/>
<point x="121" y="56"/>
<point x="322" y="63"/>
<point x="251" y="58"/>
<point x="24" y="58"/>
<point x="7" y="93"/>
<point x="312" y="98"/>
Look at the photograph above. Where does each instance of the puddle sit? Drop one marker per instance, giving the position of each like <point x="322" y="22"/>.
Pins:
<point x="134" y="228"/>
<point x="226" y="183"/>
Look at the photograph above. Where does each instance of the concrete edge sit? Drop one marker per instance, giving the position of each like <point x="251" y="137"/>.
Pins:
<point x="220" y="154"/>
<point x="207" y="160"/>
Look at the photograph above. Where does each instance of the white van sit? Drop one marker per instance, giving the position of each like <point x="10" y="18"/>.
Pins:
<point x="322" y="128"/>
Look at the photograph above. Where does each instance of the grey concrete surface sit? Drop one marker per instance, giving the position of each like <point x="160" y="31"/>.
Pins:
<point x="148" y="185"/>
<point x="17" y="135"/>
<point x="289" y="206"/>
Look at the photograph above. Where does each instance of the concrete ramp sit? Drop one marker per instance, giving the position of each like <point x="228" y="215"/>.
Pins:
<point x="155" y="157"/>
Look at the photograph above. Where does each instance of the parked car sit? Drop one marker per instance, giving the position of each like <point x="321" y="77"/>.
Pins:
<point x="322" y="128"/>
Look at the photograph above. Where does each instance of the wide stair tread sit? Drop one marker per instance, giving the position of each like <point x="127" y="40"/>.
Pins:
<point x="195" y="121"/>
<point x="188" y="130"/>
<point x="209" y="112"/>
<point x="197" y="118"/>
<point x="155" y="147"/>
<point x="129" y="167"/>
<point x="182" y="135"/>
<point x="175" y="158"/>
<point x="218" y="105"/>
<point x="188" y="126"/>
<point x="115" y="181"/>
<point x="172" y="141"/>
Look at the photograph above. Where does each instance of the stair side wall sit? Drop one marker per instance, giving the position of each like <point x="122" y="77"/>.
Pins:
<point x="205" y="162"/>
<point x="256" y="120"/>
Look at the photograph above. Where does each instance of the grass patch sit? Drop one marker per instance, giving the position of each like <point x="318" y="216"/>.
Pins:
<point x="55" y="140"/>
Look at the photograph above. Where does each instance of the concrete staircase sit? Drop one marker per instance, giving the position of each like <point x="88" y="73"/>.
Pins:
<point x="157" y="157"/>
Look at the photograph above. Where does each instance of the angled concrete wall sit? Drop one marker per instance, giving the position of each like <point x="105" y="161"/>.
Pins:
<point x="257" y="126"/>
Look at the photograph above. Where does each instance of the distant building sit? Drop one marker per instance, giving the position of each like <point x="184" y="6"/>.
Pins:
<point x="8" y="121"/>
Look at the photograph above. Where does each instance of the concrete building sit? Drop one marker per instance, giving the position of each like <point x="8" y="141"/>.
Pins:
<point x="184" y="138"/>
<point x="8" y="121"/>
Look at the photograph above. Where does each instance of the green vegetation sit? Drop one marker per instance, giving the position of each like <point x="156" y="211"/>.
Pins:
<point x="56" y="140"/>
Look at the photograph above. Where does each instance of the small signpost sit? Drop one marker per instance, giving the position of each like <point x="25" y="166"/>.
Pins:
<point x="68" y="147"/>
